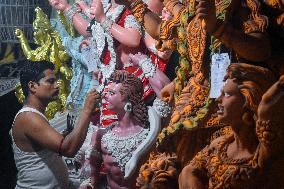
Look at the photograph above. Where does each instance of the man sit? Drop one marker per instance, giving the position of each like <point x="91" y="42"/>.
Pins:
<point x="36" y="144"/>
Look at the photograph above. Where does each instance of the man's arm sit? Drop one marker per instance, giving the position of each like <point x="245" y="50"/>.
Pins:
<point x="40" y="132"/>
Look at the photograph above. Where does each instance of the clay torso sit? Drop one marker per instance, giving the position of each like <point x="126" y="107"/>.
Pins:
<point x="223" y="171"/>
<point x="117" y="151"/>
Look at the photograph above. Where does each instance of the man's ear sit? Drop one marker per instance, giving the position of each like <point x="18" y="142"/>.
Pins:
<point x="32" y="86"/>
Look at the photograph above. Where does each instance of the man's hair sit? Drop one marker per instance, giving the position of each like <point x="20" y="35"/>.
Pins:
<point x="33" y="71"/>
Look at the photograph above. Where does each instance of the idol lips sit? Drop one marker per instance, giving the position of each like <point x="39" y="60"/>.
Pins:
<point x="221" y="109"/>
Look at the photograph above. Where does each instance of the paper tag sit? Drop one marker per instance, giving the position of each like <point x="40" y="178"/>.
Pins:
<point x="90" y="58"/>
<point x="220" y="63"/>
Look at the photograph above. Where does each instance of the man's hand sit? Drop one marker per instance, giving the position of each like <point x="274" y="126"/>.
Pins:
<point x="97" y="11"/>
<point x="59" y="4"/>
<point x="206" y="11"/>
<point x="92" y="99"/>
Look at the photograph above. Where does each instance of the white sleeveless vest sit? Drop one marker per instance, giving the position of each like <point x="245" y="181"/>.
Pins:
<point x="39" y="170"/>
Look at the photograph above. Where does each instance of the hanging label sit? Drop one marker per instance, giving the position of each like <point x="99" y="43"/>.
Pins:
<point x="220" y="63"/>
<point x="90" y="58"/>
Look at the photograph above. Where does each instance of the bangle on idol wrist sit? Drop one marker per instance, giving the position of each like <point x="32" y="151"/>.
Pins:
<point x="149" y="69"/>
<point x="70" y="13"/>
<point x="107" y="24"/>
<point x="87" y="12"/>
<point x="162" y="108"/>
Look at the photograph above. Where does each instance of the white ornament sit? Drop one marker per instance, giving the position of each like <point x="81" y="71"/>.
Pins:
<point x="128" y="107"/>
<point x="161" y="107"/>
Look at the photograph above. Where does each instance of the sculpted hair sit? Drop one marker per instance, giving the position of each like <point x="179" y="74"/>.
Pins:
<point x="253" y="82"/>
<point x="33" y="71"/>
<point x="257" y="22"/>
<point x="132" y="90"/>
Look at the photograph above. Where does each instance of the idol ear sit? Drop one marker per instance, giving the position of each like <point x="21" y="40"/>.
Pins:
<point x="128" y="107"/>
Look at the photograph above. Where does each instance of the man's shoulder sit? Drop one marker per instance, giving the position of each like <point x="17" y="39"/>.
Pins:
<point x="30" y="118"/>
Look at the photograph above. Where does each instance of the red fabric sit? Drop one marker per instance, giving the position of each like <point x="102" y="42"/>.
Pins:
<point x="106" y="58"/>
<point x="105" y="111"/>
<point x="161" y="63"/>
<point x="121" y="21"/>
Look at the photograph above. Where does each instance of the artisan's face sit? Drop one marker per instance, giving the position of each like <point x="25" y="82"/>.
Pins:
<point x="231" y="103"/>
<point x="114" y="98"/>
<point x="46" y="88"/>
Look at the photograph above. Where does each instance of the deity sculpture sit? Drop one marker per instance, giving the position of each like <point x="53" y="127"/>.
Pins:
<point x="119" y="149"/>
<point x="199" y="30"/>
<point x="104" y="50"/>
<point x="274" y="9"/>
<point x="231" y="161"/>
<point x="159" y="58"/>
<point x="270" y="134"/>
<point x="49" y="42"/>
<point x="113" y="35"/>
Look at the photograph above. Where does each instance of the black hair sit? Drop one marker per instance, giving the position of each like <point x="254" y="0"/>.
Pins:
<point x="33" y="71"/>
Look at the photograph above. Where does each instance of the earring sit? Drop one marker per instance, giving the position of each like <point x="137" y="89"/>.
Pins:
<point x="128" y="107"/>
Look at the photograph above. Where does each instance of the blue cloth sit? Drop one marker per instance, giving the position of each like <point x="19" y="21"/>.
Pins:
<point x="81" y="81"/>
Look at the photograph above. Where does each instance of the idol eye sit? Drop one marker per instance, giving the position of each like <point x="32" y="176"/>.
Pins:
<point x="111" y="93"/>
<point x="226" y="94"/>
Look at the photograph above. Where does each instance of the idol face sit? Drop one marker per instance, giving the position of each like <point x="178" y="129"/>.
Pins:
<point x="231" y="103"/>
<point x="116" y="101"/>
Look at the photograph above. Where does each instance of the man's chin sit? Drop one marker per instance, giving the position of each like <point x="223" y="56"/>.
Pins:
<point x="54" y="98"/>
